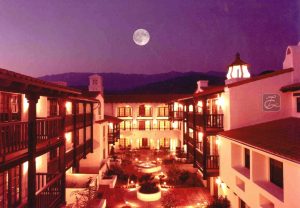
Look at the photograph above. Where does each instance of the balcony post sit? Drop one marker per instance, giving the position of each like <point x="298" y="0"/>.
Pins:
<point x="75" y="136"/>
<point x="62" y="149"/>
<point x="194" y="133"/>
<point x="84" y="130"/>
<point x="32" y="141"/>
<point x="92" y="128"/>
<point x="204" y="138"/>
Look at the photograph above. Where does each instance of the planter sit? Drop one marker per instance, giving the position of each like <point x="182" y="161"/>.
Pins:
<point x="111" y="182"/>
<point x="148" y="197"/>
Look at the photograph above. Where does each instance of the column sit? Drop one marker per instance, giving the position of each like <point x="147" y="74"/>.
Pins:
<point x="84" y="130"/>
<point x="92" y="127"/>
<point x="32" y="141"/>
<point x="62" y="149"/>
<point x="194" y="133"/>
<point x="204" y="138"/>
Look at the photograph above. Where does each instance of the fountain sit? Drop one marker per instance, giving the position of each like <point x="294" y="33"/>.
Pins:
<point x="148" y="166"/>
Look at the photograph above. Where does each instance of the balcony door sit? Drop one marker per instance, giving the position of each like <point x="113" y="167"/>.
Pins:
<point x="145" y="143"/>
<point x="142" y="125"/>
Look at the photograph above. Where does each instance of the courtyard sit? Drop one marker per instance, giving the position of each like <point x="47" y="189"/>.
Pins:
<point x="178" y="181"/>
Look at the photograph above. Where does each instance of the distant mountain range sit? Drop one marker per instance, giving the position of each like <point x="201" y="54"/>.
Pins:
<point x="114" y="83"/>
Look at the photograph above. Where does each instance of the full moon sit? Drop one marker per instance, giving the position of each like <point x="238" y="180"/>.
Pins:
<point x="141" y="37"/>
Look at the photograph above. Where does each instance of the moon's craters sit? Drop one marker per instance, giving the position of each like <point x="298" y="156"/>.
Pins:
<point x="141" y="37"/>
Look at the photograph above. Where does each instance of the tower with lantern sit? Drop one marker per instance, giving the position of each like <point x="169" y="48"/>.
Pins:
<point x="237" y="71"/>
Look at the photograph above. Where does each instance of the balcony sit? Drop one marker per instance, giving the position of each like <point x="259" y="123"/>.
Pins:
<point x="14" y="136"/>
<point x="113" y="135"/>
<point x="69" y="158"/>
<point x="213" y="121"/>
<point x="176" y="115"/>
<point x="48" y="128"/>
<point x="48" y="190"/>
<point x="88" y="120"/>
<point x="80" y="120"/>
<point x="211" y="162"/>
<point x="69" y="122"/>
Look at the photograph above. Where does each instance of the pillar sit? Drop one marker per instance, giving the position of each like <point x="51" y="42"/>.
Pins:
<point x="32" y="141"/>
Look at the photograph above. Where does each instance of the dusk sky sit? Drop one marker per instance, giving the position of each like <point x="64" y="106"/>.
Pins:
<point x="48" y="37"/>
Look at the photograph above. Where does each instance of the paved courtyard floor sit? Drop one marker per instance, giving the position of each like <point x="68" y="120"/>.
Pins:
<point x="117" y="198"/>
<point x="188" y="196"/>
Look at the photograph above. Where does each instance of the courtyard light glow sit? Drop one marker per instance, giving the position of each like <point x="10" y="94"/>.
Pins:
<point x="68" y="107"/>
<point x="220" y="101"/>
<point x="218" y="141"/>
<point x="218" y="181"/>
<point x="25" y="105"/>
<point x="68" y="137"/>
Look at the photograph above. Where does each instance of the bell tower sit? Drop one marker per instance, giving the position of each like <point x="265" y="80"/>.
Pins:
<point x="237" y="71"/>
<point x="95" y="84"/>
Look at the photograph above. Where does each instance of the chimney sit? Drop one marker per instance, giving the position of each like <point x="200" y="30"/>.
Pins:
<point x="201" y="84"/>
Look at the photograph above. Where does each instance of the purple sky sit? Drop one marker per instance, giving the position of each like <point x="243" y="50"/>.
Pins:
<point x="96" y="36"/>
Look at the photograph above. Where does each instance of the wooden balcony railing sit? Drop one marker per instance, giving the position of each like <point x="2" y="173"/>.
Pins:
<point x="189" y="139"/>
<point x="89" y="146"/>
<point x="69" y="123"/>
<point x="69" y="157"/>
<point x="50" y="195"/>
<point x="42" y="179"/>
<point x="13" y="137"/>
<point x="212" y="161"/>
<point x="48" y="128"/>
<point x="79" y="120"/>
<point x="176" y="115"/>
<point x="212" y="120"/>
<point x="88" y="119"/>
<point x="79" y="151"/>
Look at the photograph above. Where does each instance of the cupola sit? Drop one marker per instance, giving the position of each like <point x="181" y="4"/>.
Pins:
<point x="237" y="71"/>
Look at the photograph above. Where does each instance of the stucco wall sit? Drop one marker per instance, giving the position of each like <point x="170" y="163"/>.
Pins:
<point x="245" y="102"/>
<point x="257" y="186"/>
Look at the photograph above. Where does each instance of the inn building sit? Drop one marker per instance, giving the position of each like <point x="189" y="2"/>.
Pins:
<point x="48" y="132"/>
<point x="145" y="121"/>
<point x="244" y="136"/>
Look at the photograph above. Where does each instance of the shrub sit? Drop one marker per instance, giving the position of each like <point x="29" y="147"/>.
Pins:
<point x="220" y="202"/>
<point x="133" y="178"/>
<point x="184" y="176"/>
<point x="147" y="184"/>
<point x="173" y="173"/>
<point x="149" y="188"/>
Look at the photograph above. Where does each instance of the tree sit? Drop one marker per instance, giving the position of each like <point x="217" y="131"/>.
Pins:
<point x="85" y="196"/>
<point x="220" y="202"/>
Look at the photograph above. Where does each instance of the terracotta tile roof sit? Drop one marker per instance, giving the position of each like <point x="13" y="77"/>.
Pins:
<point x="264" y="76"/>
<point x="84" y="98"/>
<point x="279" y="137"/>
<point x="291" y="87"/>
<point x="36" y="83"/>
<point x="145" y="98"/>
<point x="210" y="91"/>
<point x="110" y="119"/>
